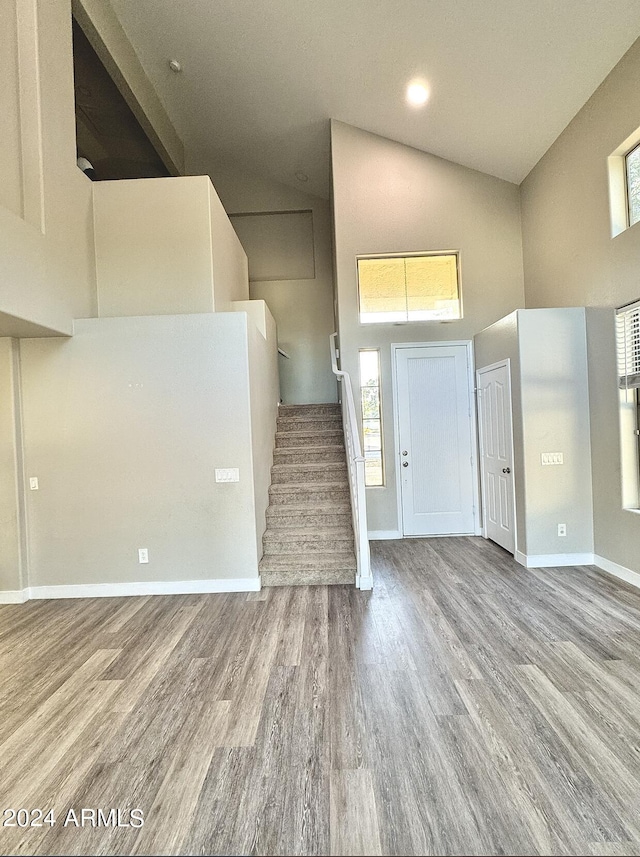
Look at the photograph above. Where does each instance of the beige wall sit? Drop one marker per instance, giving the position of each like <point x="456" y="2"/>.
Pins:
<point x="302" y="309"/>
<point x="124" y="425"/>
<point x="264" y="394"/>
<point x="46" y="238"/>
<point x="12" y="522"/>
<point x="165" y="246"/>
<point x="571" y="259"/>
<point x="389" y="198"/>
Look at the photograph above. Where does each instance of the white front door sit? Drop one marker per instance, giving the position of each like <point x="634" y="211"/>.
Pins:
<point x="496" y="455"/>
<point x="435" y="455"/>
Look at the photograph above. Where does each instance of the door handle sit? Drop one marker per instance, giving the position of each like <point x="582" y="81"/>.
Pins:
<point x="506" y="470"/>
<point x="405" y="463"/>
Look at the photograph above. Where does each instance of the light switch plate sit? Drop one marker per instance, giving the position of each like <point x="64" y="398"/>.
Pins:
<point x="33" y="483"/>
<point x="227" y="474"/>
<point x="548" y="458"/>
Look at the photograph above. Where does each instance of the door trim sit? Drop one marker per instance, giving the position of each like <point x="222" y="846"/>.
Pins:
<point x="500" y="364"/>
<point x="468" y="344"/>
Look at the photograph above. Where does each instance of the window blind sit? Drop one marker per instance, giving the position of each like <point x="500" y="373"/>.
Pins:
<point x="628" y="341"/>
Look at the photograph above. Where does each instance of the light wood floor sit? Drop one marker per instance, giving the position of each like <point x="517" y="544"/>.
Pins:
<point x="466" y="706"/>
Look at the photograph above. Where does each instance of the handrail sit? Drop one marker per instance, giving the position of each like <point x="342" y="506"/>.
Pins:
<point x="355" y="471"/>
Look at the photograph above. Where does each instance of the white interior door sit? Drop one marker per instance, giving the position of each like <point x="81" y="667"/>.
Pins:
<point x="434" y="415"/>
<point x="496" y="455"/>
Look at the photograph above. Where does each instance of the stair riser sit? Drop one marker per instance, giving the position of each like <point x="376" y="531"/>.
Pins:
<point x="309" y="410"/>
<point x="308" y="456"/>
<point x="311" y="497"/>
<point x="301" y="424"/>
<point x="307" y="577"/>
<point x="272" y="547"/>
<point x="288" y="440"/>
<point x="300" y="474"/>
<point x="311" y="520"/>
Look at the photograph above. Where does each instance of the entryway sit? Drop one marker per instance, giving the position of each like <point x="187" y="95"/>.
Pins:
<point x="436" y="438"/>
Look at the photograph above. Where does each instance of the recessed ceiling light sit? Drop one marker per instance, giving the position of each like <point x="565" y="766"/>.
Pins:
<point x="302" y="177"/>
<point x="175" y="66"/>
<point x="417" y="94"/>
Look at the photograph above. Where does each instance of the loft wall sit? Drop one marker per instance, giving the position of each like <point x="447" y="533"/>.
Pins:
<point x="302" y="308"/>
<point x="124" y="428"/>
<point x="389" y="198"/>
<point x="570" y="259"/>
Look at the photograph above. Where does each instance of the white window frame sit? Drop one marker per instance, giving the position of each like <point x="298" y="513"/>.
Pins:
<point x="618" y="194"/>
<point x="412" y="255"/>
<point x="628" y="374"/>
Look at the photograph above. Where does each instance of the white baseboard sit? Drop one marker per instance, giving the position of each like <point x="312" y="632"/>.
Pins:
<point x="617" y="570"/>
<point x="120" y="590"/>
<point x="553" y="560"/>
<point x="381" y="535"/>
<point x="13" y="596"/>
<point x="364" y="582"/>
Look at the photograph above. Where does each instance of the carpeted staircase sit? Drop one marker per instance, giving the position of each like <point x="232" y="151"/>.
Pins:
<point x="309" y="537"/>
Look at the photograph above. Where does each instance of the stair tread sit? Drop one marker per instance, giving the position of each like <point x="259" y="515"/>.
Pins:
<point x="300" y="487"/>
<point x="284" y="533"/>
<point x="337" y="508"/>
<point x="281" y="562"/>
<point x="297" y="450"/>
<point x="312" y="465"/>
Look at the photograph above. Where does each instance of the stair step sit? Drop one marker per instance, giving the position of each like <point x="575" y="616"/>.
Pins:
<point x="312" y="410"/>
<point x="309" y="516"/>
<point x="326" y="471"/>
<point x="297" y="541"/>
<point x="305" y="570"/>
<point x="308" y="494"/>
<point x="290" y="439"/>
<point x="311" y="454"/>
<point x="324" y="422"/>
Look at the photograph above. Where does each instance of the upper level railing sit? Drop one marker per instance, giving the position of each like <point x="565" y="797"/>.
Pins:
<point x="355" y="471"/>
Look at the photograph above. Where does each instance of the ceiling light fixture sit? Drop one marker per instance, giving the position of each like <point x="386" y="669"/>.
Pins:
<point x="417" y="94"/>
<point x="175" y="66"/>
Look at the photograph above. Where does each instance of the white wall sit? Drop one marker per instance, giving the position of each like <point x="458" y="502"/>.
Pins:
<point x="46" y="237"/>
<point x="124" y="425"/>
<point x="302" y="309"/>
<point x="571" y="259"/>
<point x="549" y="382"/>
<point x="165" y="246"/>
<point x="12" y="548"/>
<point x="389" y="198"/>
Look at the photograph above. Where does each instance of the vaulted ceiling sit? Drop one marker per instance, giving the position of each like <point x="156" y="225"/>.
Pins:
<point x="262" y="78"/>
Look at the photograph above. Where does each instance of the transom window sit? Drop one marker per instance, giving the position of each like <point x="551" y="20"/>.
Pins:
<point x="409" y="288"/>
<point x="632" y="171"/>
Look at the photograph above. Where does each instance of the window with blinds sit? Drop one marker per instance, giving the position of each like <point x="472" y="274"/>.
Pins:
<point x="628" y="346"/>
<point x="628" y="341"/>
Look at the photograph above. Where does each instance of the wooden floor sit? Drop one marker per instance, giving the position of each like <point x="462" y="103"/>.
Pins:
<point x="465" y="706"/>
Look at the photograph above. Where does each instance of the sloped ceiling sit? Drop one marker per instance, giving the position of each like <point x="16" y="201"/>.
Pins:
<point x="262" y="78"/>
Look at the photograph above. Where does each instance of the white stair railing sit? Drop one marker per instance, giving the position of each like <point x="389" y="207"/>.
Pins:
<point x="355" y="471"/>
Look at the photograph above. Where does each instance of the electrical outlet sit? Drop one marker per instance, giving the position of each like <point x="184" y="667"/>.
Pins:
<point x="562" y="530"/>
<point x="143" y="554"/>
<point x="33" y="483"/>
